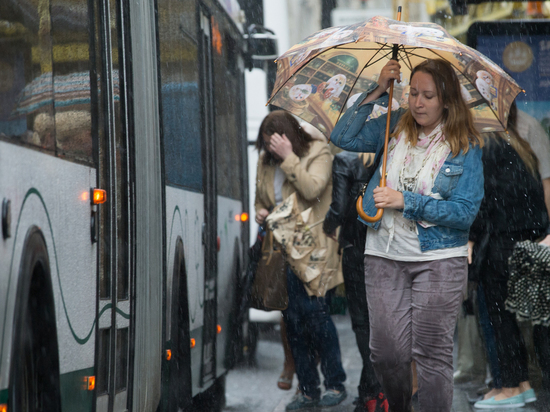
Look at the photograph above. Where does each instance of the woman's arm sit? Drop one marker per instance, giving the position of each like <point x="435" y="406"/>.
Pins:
<point x="353" y="132"/>
<point x="259" y="202"/>
<point x="310" y="182"/>
<point x="460" y="209"/>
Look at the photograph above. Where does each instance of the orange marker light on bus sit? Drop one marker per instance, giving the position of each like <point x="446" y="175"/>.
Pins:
<point x="90" y="382"/>
<point x="99" y="196"/>
<point x="193" y="343"/>
<point x="219" y="329"/>
<point x="244" y="217"/>
<point x="168" y="354"/>
<point x="3" y="407"/>
<point x="237" y="217"/>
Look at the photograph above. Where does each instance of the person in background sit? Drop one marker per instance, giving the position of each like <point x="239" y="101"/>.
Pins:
<point x="532" y="132"/>
<point x="513" y="210"/>
<point x="416" y="256"/>
<point x="292" y="161"/>
<point x="349" y="172"/>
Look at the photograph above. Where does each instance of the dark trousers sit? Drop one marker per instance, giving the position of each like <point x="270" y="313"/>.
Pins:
<point x="541" y="341"/>
<point x="489" y="338"/>
<point x="311" y="332"/>
<point x="354" y="278"/>
<point x="512" y="354"/>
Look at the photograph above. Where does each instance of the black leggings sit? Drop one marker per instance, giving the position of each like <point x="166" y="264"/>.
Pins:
<point x="541" y="341"/>
<point x="494" y="274"/>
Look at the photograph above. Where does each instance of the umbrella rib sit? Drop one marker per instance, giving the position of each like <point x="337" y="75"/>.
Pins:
<point x="406" y="60"/>
<point x="382" y="45"/>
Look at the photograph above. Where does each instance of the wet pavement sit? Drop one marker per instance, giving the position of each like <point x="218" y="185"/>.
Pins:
<point x="254" y="388"/>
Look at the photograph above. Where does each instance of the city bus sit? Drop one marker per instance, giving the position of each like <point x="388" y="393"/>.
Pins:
<point x="123" y="183"/>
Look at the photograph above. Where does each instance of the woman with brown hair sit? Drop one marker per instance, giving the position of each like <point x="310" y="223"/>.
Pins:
<point x="416" y="255"/>
<point x="292" y="161"/>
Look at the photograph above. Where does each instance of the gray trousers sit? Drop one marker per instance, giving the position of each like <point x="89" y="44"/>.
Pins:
<point x="413" y="308"/>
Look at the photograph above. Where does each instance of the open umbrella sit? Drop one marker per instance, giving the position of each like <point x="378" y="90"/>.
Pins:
<point x="320" y="77"/>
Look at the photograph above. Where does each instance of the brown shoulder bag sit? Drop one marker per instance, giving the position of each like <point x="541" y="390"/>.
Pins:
<point x="269" y="287"/>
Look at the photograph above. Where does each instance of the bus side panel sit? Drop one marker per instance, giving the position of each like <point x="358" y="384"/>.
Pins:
<point x="54" y="197"/>
<point x="229" y="232"/>
<point x="149" y="209"/>
<point x="184" y="219"/>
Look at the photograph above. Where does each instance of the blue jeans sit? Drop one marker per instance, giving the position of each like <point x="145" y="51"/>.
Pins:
<point x="311" y="333"/>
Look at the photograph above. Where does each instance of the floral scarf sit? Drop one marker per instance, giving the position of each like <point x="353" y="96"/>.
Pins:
<point x="400" y="165"/>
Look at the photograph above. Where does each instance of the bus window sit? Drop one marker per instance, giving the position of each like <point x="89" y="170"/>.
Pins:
<point x="228" y="105"/>
<point x="180" y="98"/>
<point x="26" y="83"/>
<point x="71" y="80"/>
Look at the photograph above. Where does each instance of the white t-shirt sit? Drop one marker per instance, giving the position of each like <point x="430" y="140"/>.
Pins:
<point x="278" y="184"/>
<point x="405" y="245"/>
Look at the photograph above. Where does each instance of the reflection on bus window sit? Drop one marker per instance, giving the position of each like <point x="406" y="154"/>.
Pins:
<point x="229" y="128"/>
<point x="26" y="75"/>
<point x="180" y="100"/>
<point x="44" y="77"/>
<point x="71" y="67"/>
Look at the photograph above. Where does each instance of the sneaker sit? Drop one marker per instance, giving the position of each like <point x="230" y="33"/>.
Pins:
<point x="377" y="404"/>
<point x="381" y="404"/>
<point x="301" y="402"/>
<point x="332" y="398"/>
<point x="529" y="396"/>
<point x="512" y="402"/>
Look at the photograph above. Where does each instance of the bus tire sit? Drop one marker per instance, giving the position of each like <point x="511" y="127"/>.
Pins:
<point x="234" y="351"/>
<point x="34" y="383"/>
<point x="180" y="391"/>
<point x="213" y="399"/>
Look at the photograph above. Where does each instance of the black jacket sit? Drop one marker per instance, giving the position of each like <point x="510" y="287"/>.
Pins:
<point x="514" y="199"/>
<point x="513" y="205"/>
<point x="348" y="176"/>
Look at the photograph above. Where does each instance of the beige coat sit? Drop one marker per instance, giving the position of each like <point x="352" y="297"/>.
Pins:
<point x="311" y="178"/>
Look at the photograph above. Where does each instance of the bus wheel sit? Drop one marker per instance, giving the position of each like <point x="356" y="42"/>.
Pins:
<point x="34" y="373"/>
<point x="179" y="373"/>
<point x="213" y="399"/>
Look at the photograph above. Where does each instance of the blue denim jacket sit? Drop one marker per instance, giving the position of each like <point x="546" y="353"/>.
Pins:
<point x="459" y="182"/>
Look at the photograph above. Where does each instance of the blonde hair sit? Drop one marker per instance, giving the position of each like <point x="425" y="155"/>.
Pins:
<point x="458" y="123"/>
<point x="367" y="159"/>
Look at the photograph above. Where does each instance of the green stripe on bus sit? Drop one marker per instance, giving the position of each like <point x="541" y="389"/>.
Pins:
<point x="81" y="340"/>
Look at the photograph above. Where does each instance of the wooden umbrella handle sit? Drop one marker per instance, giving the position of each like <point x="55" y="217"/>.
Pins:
<point x="359" y="203"/>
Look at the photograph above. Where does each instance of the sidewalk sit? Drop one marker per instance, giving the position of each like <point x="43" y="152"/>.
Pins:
<point x="254" y="389"/>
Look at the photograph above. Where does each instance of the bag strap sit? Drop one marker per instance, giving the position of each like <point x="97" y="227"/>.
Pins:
<point x="269" y="238"/>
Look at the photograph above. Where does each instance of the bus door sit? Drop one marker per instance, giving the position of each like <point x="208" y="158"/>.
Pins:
<point x="112" y="218"/>
<point x="209" y="236"/>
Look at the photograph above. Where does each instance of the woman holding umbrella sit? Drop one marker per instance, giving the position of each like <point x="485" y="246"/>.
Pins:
<point x="416" y="256"/>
